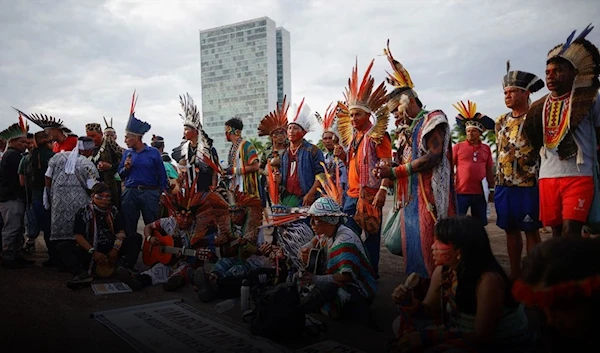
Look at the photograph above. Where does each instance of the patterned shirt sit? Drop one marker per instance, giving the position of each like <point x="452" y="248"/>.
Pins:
<point x="517" y="164"/>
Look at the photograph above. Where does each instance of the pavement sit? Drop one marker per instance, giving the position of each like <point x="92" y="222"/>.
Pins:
<point x="38" y="311"/>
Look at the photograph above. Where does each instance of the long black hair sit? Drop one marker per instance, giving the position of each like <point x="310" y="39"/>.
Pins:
<point x="468" y="234"/>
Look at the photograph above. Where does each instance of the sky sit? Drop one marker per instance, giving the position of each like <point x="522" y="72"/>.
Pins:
<point x="81" y="60"/>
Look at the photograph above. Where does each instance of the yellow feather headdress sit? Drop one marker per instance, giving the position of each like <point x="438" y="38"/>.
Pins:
<point x="400" y="76"/>
<point x="468" y="116"/>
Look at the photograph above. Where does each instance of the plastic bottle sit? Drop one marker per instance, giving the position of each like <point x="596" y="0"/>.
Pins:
<point x="225" y="305"/>
<point x="245" y="296"/>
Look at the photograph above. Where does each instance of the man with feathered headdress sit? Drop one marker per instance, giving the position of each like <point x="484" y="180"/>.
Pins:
<point x="196" y="156"/>
<point x="362" y="124"/>
<point x="473" y="161"/>
<point x="301" y="161"/>
<point x="239" y="250"/>
<point x="335" y="156"/>
<point x="107" y="156"/>
<point x="424" y="186"/>
<point x="242" y="161"/>
<point x="194" y="220"/>
<point x="145" y="175"/>
<point x="516" y="193"/>
<point x="12" y="195"/>
<point x="562" y="126"/>
<point x="64" y="139"/>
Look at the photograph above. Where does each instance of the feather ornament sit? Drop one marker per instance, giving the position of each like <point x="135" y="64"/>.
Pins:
<point x="331" y="188"/>
<point x="468" y="111"/>
<point x="275" y="120"/>
<point x="400" y="76"/>
<point x="272" y="185"/>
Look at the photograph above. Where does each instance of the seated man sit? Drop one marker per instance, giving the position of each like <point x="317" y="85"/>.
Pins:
<point x="348" y="287"/>
<point x="100" y="242"/>
<point x="193" y="216"/>
<point x="239" y="251"/>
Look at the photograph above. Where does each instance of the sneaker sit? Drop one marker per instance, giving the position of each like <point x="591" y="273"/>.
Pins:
<point x="206" y="290"/>
<point x="173" y="283"/>
<point x="128" y="278"/>
<point x="81" y="280"/>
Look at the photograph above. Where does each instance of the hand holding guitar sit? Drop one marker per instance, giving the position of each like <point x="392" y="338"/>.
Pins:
<point x="99" y="258"/>
<point x="303" y="254"/>
<point x="113" y="256"/>
<point x="306" y="278"/>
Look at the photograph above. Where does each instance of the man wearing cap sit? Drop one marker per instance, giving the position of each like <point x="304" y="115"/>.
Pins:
<point x="301" y="161"/>
<point x="196" y="156"/>
<point x="516" y="193"/>
<point x="12" y="196"/>
<point x="69" y="177"/>
<point x="348" y="280"/>
<point x="106" y="157"/>
<point x="143" y="168"/>
<point x="158" y="142"/>
<point x="242" y="161"/>
<point x="562" y="126"/>
<point x="473" y="161"/>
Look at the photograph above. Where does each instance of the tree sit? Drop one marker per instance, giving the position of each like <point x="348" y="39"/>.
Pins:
<point x="321" y="145"/>
<point x="258" y="145"/>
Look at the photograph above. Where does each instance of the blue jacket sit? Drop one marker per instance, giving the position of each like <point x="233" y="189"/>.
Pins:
<point x="309" y="164"/>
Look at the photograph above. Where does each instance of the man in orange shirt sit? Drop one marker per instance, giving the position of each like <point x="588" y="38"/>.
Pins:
<point x="369" y="145"/>
<point x="473" y="161"/>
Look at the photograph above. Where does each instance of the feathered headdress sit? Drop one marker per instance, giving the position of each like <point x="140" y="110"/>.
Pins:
<point x="468" y="116"/>
<point x="361" y="95"/>
<point x="45" y="121"/>
<point x="332" y="188"/>
<point x="191" y="117"/>
<point x="399" y="77"/>
<point x="208" y="208"/>
<point x="302" y="116"/>
<point x="584" y="57"/>
<point x="276" y="120"/>
<point x="521" y="79"/>
<point x="329" y="121"/>
<point x="252" y="205"/>
<point x="16" y="130"/>
<point x="134" y="125"/>
<point x="109" y="127"/>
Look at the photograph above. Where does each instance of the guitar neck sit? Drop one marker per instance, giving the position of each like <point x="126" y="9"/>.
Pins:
<point x="175" y="250"/>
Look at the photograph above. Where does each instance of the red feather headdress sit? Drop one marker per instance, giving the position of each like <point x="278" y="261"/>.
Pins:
<point x="276" y="120"/>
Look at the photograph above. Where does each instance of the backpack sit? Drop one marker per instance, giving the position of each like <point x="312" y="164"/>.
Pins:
<point x="277" y="315"/>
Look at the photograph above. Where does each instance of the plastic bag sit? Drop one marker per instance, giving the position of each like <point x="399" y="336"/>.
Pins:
<point x="392" y="238"/>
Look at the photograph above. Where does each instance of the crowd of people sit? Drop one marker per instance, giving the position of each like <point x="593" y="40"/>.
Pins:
<point x="205" y="222"/>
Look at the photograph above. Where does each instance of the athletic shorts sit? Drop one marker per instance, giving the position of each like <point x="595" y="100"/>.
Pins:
<point x="517" y="208"/>
<point x="565" y="198"/>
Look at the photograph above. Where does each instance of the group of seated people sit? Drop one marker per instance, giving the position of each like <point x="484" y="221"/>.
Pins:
<point x="471" y="305"/>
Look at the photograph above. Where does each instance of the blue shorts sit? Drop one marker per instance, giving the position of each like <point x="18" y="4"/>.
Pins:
<point x="518" y="208"/>
<point x="477" y="203"/>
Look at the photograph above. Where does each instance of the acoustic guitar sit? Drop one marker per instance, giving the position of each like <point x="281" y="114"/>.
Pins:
<point x="164" y="251"/>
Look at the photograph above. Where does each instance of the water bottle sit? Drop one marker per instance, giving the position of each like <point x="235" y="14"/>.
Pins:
<point x="245" y="296"/>
<point x="225" y="305"/>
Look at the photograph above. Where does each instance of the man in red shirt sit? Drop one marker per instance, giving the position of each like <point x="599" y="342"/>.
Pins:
<point x="473" y="161"/>
<point x="64" y="140"/>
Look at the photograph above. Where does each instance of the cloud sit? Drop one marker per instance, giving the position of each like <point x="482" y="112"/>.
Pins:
<point x="81" y="60"/>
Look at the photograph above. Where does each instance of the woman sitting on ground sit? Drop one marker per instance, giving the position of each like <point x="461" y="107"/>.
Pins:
<point x="561" y="276"/>
<point x="469" y="306"/>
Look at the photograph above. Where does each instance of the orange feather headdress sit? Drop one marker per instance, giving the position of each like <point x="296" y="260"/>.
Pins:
<point x="275" y="120"/>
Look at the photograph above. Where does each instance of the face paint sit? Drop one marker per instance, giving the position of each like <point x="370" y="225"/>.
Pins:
<point x="443" y="254"/>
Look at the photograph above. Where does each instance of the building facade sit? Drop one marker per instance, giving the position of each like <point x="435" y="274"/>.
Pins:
<point x="245" y="71"/>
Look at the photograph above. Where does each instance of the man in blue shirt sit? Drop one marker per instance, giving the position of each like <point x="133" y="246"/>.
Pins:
<point x="144" y="173"/>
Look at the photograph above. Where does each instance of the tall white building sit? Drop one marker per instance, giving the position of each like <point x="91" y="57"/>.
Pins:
<point x="245" y="71"/>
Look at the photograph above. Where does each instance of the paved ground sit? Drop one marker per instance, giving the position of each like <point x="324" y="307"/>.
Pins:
<point x="37" y="309"/>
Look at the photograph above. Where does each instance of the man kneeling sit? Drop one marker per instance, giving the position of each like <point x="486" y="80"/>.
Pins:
<point x="348" y="286"/>
<point x="100" y="243"/>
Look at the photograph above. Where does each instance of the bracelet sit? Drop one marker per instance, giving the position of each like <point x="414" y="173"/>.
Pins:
<point x="91" y="251"/>
<point x="383" y="187"/>
<point x="408" y="169"/>
<point x="148" y="238"/>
